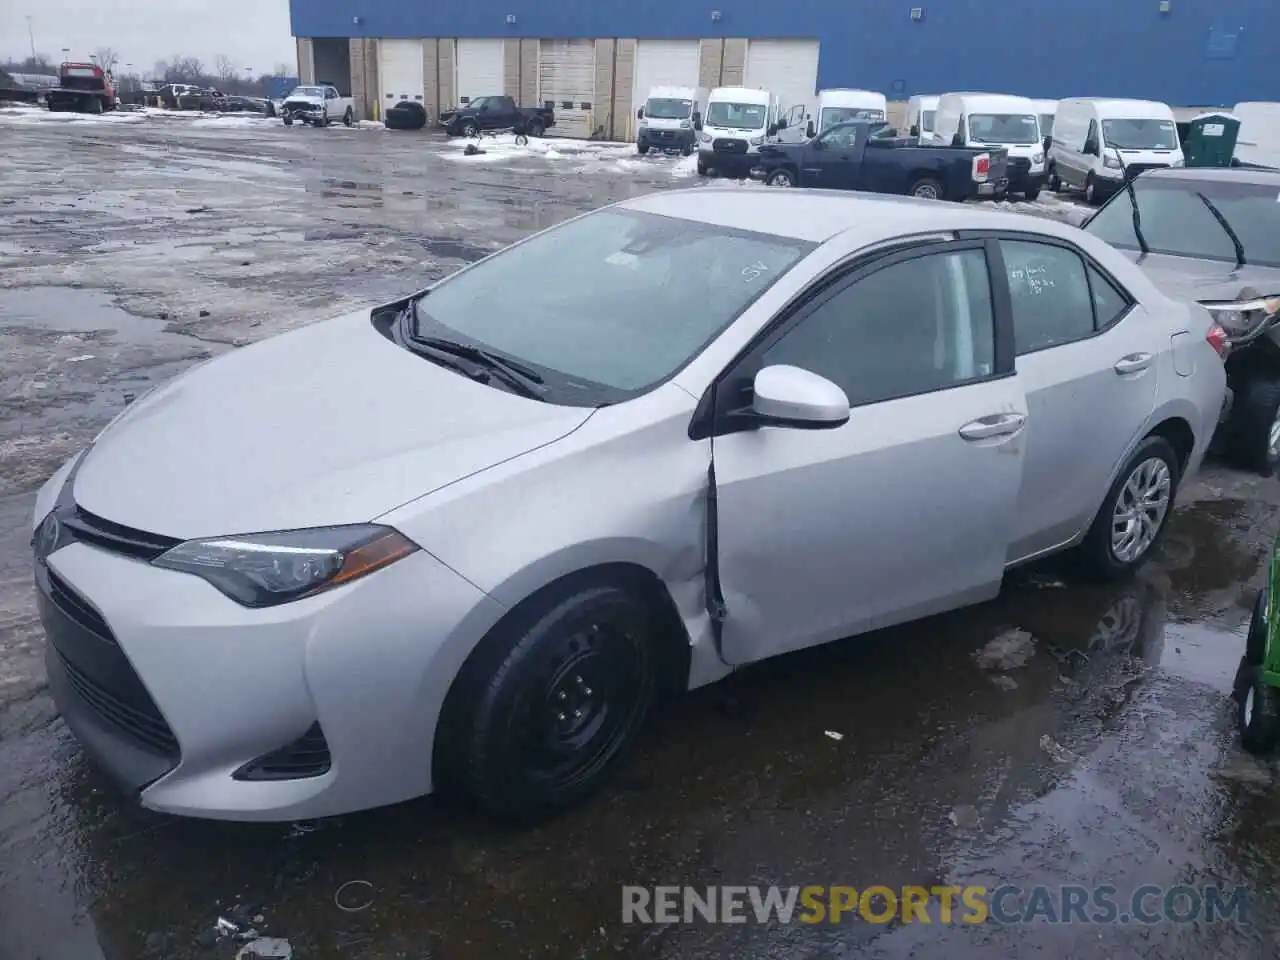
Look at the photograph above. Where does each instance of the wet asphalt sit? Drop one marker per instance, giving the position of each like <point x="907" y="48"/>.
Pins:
<point x="1060" y="735"/>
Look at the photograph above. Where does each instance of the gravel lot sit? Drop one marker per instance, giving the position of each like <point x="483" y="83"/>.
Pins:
<point x="1059" y="735"/>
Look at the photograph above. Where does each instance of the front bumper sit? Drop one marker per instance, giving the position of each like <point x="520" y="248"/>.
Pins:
<point x="728" y="164"/>
<point x="1022" y="179"/>
<point x="172" y="688"/>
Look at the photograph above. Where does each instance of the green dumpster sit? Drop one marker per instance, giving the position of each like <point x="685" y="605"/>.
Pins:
<point x="1211" y="140"/>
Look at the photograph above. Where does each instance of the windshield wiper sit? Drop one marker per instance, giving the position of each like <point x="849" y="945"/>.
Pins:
<point x="524" y="380"/>
<point x="1222" y="222"/>
<point x="1133" y="203"/>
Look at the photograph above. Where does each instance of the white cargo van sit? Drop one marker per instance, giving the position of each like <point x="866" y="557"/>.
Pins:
<point x="996" y="120"/>
<point x="735" y="126"/>
<point x="832" y="107"/>
<point x="1095" y="141"/>
<point x="669" y="119"/>
<point x="922" y="110"/>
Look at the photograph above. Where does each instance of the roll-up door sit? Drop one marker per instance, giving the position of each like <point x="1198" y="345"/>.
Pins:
<point x="400" y="71"/>
<point x="664" y="63"/>
<point x="567" y="80"/>
<point x="480" y="69"/>
<point x="788" y="68"/>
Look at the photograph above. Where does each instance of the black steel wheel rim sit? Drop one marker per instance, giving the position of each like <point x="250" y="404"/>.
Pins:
<point x="583" y="702"/>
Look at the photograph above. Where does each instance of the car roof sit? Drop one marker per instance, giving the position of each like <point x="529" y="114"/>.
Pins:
<point x="994" y="102"/>
<point x="1125" y="109"/>
<point x="1264" y="176"/>
<point x="847" y="96"/>
<point x="742" y="94"/>
<point x="819" y="215"/>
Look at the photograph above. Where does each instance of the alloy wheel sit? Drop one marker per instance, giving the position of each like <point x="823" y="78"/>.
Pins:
<point x="1140" y="509"/>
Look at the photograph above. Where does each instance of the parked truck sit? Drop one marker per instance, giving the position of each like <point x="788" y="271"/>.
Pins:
<point x="491" y="114"/>
<point x="869" y="156"/>
<point x="82" y="88"/>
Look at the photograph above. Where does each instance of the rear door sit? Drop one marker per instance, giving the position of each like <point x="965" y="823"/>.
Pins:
<point x="906" y="509"/>
<point x="1088" y="359"/>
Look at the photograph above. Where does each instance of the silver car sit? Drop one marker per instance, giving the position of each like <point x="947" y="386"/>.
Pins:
<point x="467" y="540"/>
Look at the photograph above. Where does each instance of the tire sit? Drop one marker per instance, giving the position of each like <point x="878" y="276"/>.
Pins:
<point x="642" y="148"/>
<point x="1255" y="643"/>
<point x="550" y="703"/>
<point x="1091" y="191"/>
<point x="94" y="105"/>
<point x="288" y="120"/>
<point x="1153" y="464"/>
<point x="1054" y="182"/>
<point x="1031" y="195"/>
<point x="1253" y="427"/>
<point x="703" y="169"/>
<point x="470" y="130"/>
<point x="1258" y="714"/>
<point x="781" y="178"/>
<point x="321" y="121"/>
<point x="347" y="119"/>
<point x="686" y="149"/>
<point x="926" y="188"/>
<point x="536" y="129"/>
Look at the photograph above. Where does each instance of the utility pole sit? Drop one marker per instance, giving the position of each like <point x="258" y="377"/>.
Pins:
<point x="32" y="37"/>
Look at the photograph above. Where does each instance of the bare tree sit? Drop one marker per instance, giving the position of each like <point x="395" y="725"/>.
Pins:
<point x="225" y="68"/>
<point x="37" y="64"/>
<point x="107" y="57"/>
<point x="184" y="70"/>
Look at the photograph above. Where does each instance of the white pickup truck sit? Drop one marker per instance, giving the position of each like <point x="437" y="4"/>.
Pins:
<point x="318" y="104"/>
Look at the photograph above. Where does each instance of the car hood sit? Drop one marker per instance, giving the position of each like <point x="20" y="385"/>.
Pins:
<point x="778" y="150"/>
<point x="1184" y="278"/>
<point x="329" y="424"/>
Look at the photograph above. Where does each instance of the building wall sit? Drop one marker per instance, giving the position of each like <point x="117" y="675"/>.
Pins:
<point x="1200" y="52"/>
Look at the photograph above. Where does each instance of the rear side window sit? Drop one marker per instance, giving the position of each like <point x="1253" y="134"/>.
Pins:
<point x="1109" y="304"/>
<point x="1049" y="289"/>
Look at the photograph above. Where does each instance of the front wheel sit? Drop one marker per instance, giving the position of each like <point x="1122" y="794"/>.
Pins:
<point x="703" y="169"/>
<point x="1055" y="181"/>
<point x="347" y="119"/>
<point x="642" y="148"/>
<point x="781" y="178"/>
<point x="470" y="130"/>
<point x="288" y="120"/>
<point x="1092" y="196"/>
<point x="550" y="703"/>
<point x="1031" y="194"/>
<point x="1253" y="429"/>
<point x="926" y="188"/>
<point x="1134" y="512"/>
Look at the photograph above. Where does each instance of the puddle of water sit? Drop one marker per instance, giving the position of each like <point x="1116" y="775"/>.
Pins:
<point x="72" y="310"/>
<point x="1202" y="653"/>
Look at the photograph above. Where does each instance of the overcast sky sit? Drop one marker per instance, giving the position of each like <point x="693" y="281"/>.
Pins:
<point x="254" y="33"/>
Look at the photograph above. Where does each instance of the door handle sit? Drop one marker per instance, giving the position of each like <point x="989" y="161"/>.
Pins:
<point x="996" y="425"/>
<point x="1133" y="363"/>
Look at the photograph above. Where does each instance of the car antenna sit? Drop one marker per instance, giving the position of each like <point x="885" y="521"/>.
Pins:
<point x="1222" y="222"/>
<point x="1133" y="203"/>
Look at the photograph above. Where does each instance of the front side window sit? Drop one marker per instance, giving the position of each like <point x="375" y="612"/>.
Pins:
<point x="926" y="119"/>
<point x="1176" y="219"/>
<point x="833" y="115"/>
<point x="1140" y="134"/>
<point x="839" y="137"/>
<point x="1004" y="128"/>
<point x="911" y="327"/>
<point x="736" y="116"/>
<point x="611" y="304"/>
<point x="297" y="91"/>
<point x="1052" y="304"/>
<point x="664" y="108"/>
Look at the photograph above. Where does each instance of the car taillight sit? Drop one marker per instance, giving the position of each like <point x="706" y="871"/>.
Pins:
<point x="981" y="167"/>
<point x="1217" y="338"/>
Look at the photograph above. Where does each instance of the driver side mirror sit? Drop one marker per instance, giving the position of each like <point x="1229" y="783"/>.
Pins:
<point x="1046" y="142"/>
<point x="640" y="114"/>
<point x="787" y="396"/>
<point x="915" y="130"/>
<point x="697" y="120"/>
<point x="957" y="140"/>
<point x="809" y="131"/>
<point x="773" y="130"/>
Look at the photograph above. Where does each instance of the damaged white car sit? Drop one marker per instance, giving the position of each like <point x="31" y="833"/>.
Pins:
<point x="318" y="105"/>
<point x="468" y="539"/>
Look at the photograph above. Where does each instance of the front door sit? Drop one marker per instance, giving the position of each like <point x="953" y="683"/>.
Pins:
<point x="907" y="508"/>
<point x="1088" y="359"/>
<point x="832" y="160"/>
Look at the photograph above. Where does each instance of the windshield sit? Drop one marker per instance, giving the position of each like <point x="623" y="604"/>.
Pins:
<point x="476" y="104"/>
<point x="739" y="116"/>
<point x="1176" y="221"/>
<point x="611" y="304"/>
<point x="1046" y="124"/>
<point x="1004" y="128"/>
<point x="667" y="109"/>
<point x="307" y="92"/>
<point x="833" y="115"/>
<point x="1140" y="134"/>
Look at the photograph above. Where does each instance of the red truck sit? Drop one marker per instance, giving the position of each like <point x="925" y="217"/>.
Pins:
<point x="83" y="88"/>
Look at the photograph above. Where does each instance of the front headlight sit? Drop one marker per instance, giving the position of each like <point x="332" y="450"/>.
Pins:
<point x="1037" y="158"/>
<point x="756" y="141"/>
<point x="266" y="569"/>
<point x="1112" y="162"/>
<point x="704" y="137"/>
<point x="685" y="124"/>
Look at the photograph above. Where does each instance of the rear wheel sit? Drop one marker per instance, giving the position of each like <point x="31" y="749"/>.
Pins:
<point x="1253" y="428"/>
<point x="1259" y="715"/>
<point x="550" y="703"/>
<point x="94" y="105"/>
<point x="1134" y="513"/>
<point x="926" y="188"/>
<point x="347" y="119"/>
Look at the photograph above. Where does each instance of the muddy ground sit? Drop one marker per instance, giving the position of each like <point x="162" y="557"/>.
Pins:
<point x="1059" y="735"/>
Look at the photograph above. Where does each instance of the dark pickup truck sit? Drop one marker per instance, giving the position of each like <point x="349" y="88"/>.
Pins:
<point x="496" y="113"/>
<point x="864" y="155"/>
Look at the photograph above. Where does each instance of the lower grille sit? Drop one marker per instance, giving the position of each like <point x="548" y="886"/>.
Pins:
<point x="729" y="146"/>
<point x="141" y="720"/>
<point x="78" y="609"/>
<point x="1018" y="165"/>
<point x="308" y="756"/>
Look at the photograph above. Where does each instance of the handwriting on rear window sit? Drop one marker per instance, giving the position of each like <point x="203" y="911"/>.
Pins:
<point x="754" y="271"/>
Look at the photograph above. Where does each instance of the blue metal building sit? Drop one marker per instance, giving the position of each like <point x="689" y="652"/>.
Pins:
<point x="1183" y="52"/>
